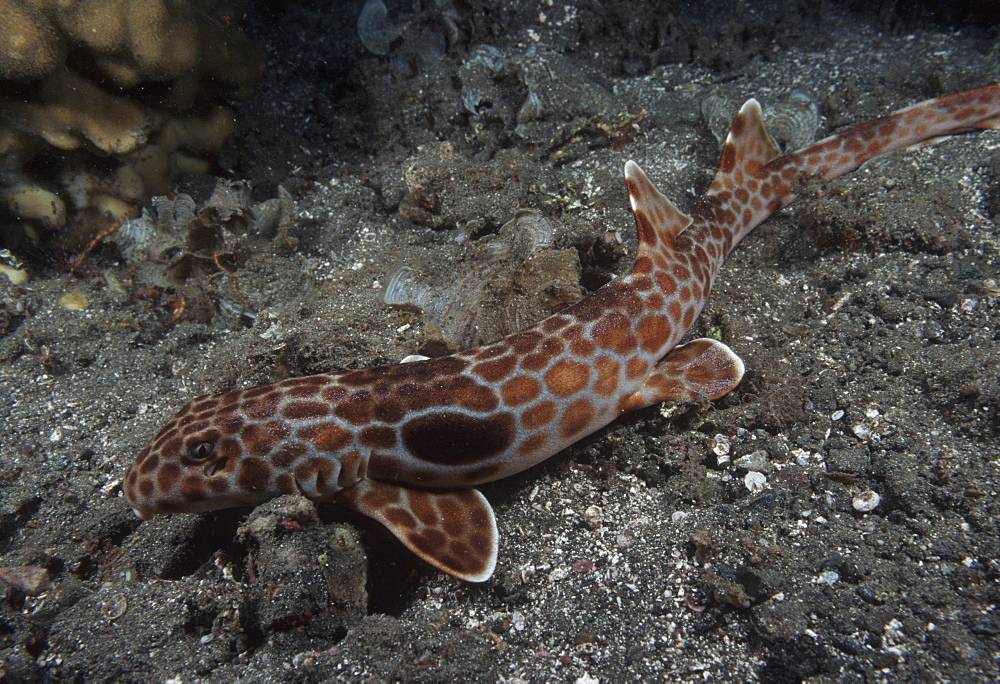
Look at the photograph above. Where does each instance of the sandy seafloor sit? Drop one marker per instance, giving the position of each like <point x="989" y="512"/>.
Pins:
<point x="867" y="315"/>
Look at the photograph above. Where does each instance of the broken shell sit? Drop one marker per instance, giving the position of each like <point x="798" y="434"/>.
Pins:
<point x="755" y="482"/>
<point x="866" y="502"/>
<point x="594" y="517"/>
<point x="791" y="121"/>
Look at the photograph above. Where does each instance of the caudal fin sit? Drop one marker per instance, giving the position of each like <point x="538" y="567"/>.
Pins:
<point x="916" y="125"/>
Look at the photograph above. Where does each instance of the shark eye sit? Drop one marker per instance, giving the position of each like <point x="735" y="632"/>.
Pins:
<point x="201" y="451"/>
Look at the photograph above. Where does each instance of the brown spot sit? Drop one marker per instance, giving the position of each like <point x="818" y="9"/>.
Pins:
<point x="608" y="298"/>
<point x="389" y="410"/>
<point x="380" y="496"/>
<point x="644" y="228"/>
<point x="653" y="332"/>
<point x="674" y="310"/>
<point x="262" y="408"/>
<point x="433" y="542"/>
<point x="666" y="283"/>
<point x="728" y="159"/>
<point x="377" y="437"/>
<point x="607" y="376"/>
<point x="287" y="454"/>
<point x="399" y="518"/>
<point x="334" y="394"/>
<point x="532" y="444"/>
<point x="491" y="352"/>
<point x="633" y="189"/>
<point x="642" y="283"/>
<point x="356" y="409"/>
<point x="303" y="410"/>
<point x="192" y="489"/>
<point x="254" y="475"/>
<point x="539" y="415"/>
<point x="300" y="391"/>
<point x="534" y="362"/>
<point x="613" y="332"/>
<point x="260" y="440"/>
<point x="567" y="377"/>
<point x="423" y="508"/>
<point x="642" y="264"/>
<point x="466" y="393"/>
<point x="229" y="423"/>
<point x="453" y="510"/>
<point x="449" y="438"/>
<point x="520" y="390"/>
<point x="636" y="368"/>
<point x="576" y="418"/>
<point x="255" y="392"/>
<point x="149" y="465"/>
<point x="688" y="318"/>
<point x="195" y="427"/>
<point x="582" y="348"/>
<point x="555" y="323"/>
<point x="146" y="488"/>
<point x="326" y="437"/>
<point x="524" y="342"/>
<point x="169" y="473"/>
<point x="655" y="301"/>
<point x="174" y="446"/>
<point x="552" y="346"/>
<point x="218" y="485"/>
<point x="284" y="483"/>
<point x="229" y="447"/>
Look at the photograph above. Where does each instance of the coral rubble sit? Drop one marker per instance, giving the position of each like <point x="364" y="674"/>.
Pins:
<point x="104" y="102"/>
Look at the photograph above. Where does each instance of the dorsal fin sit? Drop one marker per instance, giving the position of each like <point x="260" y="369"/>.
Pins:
<point x="748" y="148"/>
<point x="657" y="220"/>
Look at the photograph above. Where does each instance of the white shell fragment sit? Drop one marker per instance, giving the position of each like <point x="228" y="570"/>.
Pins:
<point x="594" y="516"/>
<point x="791" y="121"/>
<point x="866" y="502"/>
<point x="755" y="482"/>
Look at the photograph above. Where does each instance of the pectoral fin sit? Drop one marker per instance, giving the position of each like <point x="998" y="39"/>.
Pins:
<point x="701" y="369"/>
<point x="454" y="531"/>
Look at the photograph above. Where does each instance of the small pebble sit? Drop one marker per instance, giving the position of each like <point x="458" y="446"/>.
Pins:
<point x="756" y="460"/>
<point x="30" y="580"/>
<point x="74" y="301"/>
<point x="828" y="577"/>
<point x="17" y="276"/>
<point x="866" y="501"/>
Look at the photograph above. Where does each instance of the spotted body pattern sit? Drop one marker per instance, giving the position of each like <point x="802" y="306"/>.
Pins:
<point x="405" y="444"/>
